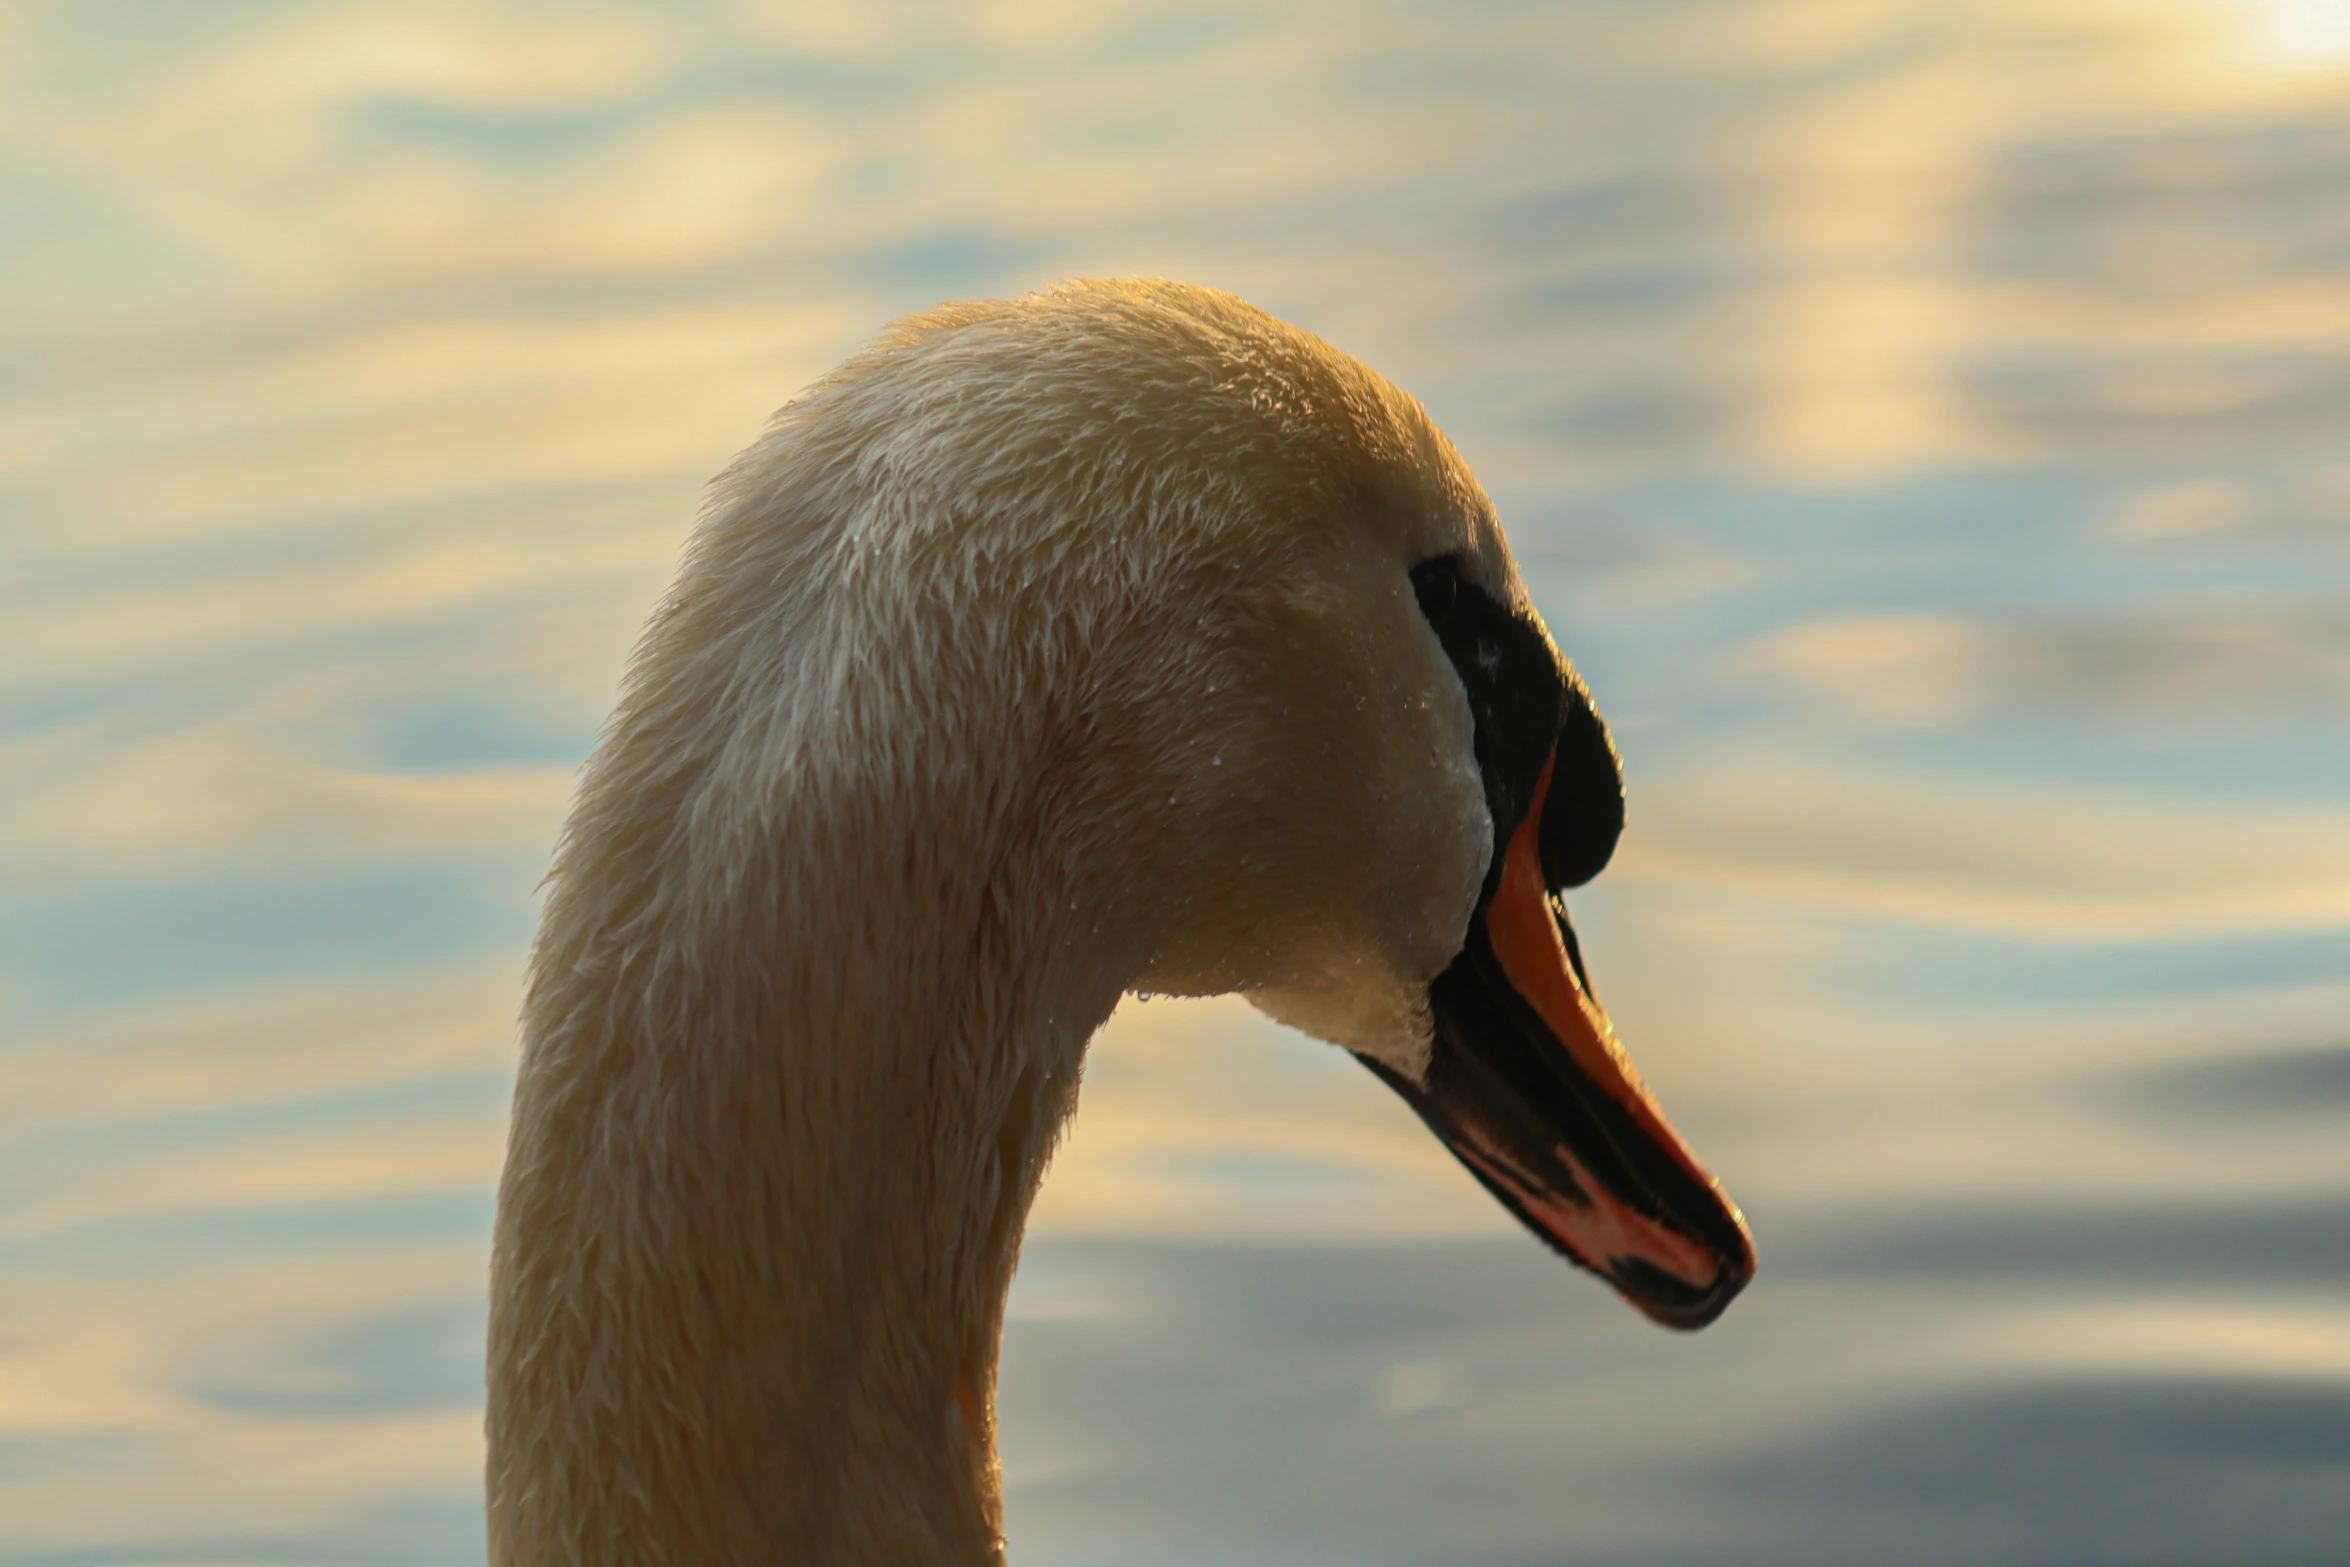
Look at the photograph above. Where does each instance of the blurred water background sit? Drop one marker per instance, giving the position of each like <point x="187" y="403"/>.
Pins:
<point x="1923" y="422"/>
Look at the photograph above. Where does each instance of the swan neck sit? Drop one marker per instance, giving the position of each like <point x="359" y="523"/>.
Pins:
<point x="771" y="1159"/>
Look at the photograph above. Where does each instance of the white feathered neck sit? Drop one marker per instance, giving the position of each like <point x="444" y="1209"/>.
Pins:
<point x="1048" y="648"/>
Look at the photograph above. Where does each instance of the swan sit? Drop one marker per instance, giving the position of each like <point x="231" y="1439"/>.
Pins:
<point x="1116" y="638"/>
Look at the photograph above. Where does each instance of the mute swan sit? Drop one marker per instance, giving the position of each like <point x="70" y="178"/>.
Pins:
<point x="1120" y="637"/>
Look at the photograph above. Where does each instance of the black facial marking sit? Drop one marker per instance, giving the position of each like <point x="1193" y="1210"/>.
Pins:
<point x="1514" y="1104"/>
<point x="1523" y="698"/>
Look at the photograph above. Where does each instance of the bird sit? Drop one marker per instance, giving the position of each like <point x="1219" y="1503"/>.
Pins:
<point x="1116" y="638"/>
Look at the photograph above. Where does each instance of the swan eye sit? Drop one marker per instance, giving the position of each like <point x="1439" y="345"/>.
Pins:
<point x="1529" y="710"/>
<point x="1437" y="584"/>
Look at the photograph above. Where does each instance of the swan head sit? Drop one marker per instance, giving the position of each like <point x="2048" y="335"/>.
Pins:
<point x="1307" y="738"/>
<point x="1117" y="638"/>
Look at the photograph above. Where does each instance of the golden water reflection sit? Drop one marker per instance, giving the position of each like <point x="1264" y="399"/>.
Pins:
<point x="1921" y="420"/>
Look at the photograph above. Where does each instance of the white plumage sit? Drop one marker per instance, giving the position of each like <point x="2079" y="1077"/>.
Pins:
<point x="1044" y="650"/>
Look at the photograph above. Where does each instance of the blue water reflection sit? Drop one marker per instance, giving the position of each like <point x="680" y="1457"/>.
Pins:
<point x="1922" y="422"/>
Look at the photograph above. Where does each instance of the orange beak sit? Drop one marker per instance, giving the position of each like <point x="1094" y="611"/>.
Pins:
<point x="1528" y="1087"/>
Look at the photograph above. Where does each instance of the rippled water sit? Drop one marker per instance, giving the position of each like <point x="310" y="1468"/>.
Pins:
<point x="1923" y="423"/>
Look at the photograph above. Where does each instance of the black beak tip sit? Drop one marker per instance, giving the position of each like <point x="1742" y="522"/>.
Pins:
<point x="1675" y="1302"/>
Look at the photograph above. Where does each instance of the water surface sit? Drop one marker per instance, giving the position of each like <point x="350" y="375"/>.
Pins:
<point x="1922" y="422"/>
